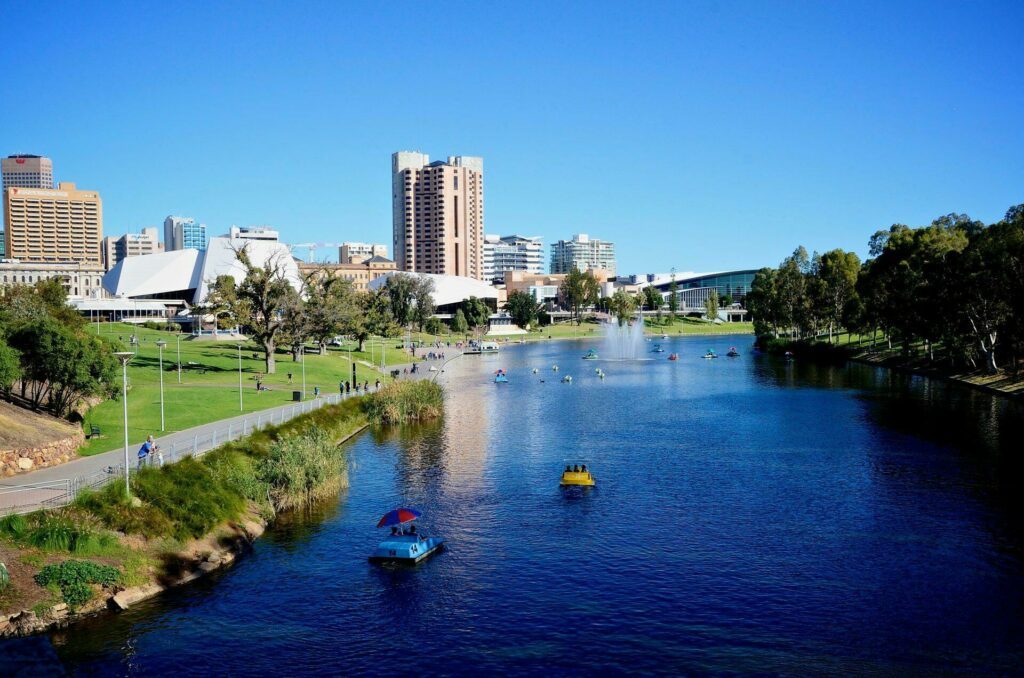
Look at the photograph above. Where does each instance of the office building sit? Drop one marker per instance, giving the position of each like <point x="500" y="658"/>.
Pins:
<point x="27" y="171"/>
<point x="183" y="233"/>
<point x="511" y="253"/>
<point x="46" y="225"/>
<point x="582" y="252"/>
<point x="438" y="214"/>
<point x="130" y="245"/>
<point x="358" y="252"/>
<point x="264" y="233"/>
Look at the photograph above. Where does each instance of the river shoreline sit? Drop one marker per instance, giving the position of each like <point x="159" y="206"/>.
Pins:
<point x="213" y="551"/>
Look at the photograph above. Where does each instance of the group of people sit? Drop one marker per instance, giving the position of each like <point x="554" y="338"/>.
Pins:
<point x="346" y="387"/>
<point x="399" y="531"/>
<point x="150" y="453"/>
<point x="576" y="468"/>
<point x="439" y="355"/>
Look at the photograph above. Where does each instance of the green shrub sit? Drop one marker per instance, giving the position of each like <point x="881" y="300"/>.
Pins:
<point x="73" y="578"/>
<point x="113" y="509"/>
<point x="5" y="577"/>
<point x="188" y="494"/>
<point x="54" y="532"/>
<point x="13" y="526"/>
<point x="301" y="469"/>
<point x="404" y="401"/>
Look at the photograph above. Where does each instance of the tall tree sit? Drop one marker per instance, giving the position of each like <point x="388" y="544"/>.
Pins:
<point x="523" y="308"/>
<point x="763" y="303"/>
<point x="711" y="306"/>
<point x="653" y="300"/>
<point x="837" y="273"/>
<point x="423" y="301"/>
<point x="401" y="291"/>
<point x="459" y="324"/>
<point x="622" y="306"/>
<point x="577" y="291"/>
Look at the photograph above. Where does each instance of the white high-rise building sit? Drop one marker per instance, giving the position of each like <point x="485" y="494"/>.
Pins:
<point x="438" y="214"/>
<point x="27" y="171"/>
<point x="582" y="253"/>
<point x="511" y="253"/>
<point x="183" y="233"/>
<point x="264" y="233"/>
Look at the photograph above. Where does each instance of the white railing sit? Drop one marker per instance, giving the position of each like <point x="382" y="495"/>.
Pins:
<point x="27" y="497"/>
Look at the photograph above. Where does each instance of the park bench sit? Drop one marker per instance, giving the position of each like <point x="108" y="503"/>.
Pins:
<point x="94" y="431"/>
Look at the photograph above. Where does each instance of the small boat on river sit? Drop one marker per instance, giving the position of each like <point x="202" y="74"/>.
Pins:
<point x="404" y="544"/>
<point x="501" y="377"/>
<point x="658" y="349"/>
<point x="710" y="354"/>
<point x="591" y="355"/>
<point x="673" y="356"/>
<point x="576" y="474"/>
<point x="732" y="352"/>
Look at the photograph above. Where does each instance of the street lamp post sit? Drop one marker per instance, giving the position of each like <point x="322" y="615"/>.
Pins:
<point x="241" y="407"/>
<point x="303" y="370"/>
<point x="124" y="357"/>
<point x="161" y="344"/>
<point x="179" y="358"/>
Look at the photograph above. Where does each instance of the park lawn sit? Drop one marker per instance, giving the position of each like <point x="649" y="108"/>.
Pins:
<point x="652" y="326"/>
<point x="209" y="382"/>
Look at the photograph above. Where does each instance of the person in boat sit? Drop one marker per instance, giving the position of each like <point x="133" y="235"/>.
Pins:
<point x="575" y="468"/>
<point x="583" y="468"/>
<point x="394" y="531"/>
<point x="568" y="469"/>
<point x="412" y="530"/>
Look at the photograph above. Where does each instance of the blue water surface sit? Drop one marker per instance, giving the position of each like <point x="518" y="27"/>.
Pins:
<point x="750" y="515"/>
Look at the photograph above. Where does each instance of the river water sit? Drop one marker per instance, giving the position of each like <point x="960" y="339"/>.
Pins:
<point x="751" y="515"/>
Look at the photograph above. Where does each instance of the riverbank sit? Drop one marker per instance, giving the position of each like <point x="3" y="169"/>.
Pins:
<point x="1001" y="383"/>
<point x="652" y="328"/>
<point x="183" y="521"/>
<point x="108" y="551"/>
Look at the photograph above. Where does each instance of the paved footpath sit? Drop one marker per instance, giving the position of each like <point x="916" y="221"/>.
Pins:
<point x="47" y="486"/>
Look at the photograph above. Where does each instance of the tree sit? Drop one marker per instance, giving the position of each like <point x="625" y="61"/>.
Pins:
<point x="711" y="306"/>
<point x="459" y="324"/>
<point x="476" y="312"/>
<point x="401" y="289"/>
<point x="622" y="306"/>
<point x="259" y="302"/>
<point x="10" y="366"/>
<point x="423" y="301"/>
<point x="763" y="303"/>
<point x="577" y="291"/>
<point x="329" y="300"/>
<point x="837" y="273"/>
<point x="60" y="366"/>
<point x="652" y="299"/>
<point x="523" y="308"/>
<point x="727" y="300"/>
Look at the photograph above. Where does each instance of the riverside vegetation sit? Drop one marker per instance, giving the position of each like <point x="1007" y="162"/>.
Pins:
<point x="179" y="512"/>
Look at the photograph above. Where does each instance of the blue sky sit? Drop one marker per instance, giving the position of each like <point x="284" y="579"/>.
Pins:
<point x="700" y="135"/>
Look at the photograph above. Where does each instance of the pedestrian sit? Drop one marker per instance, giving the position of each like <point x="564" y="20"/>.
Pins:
<point x="159" y="457"/>
<point x="376" y="386"/>
<point x="289" y="378"/>
<point x="341" y="388"/>
<point x="316" y="391"/>
<point x="147" y="448"/>
<point x="366" y="386"/>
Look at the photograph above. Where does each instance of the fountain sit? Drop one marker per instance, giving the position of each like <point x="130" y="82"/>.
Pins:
<point x="624" y="342"/>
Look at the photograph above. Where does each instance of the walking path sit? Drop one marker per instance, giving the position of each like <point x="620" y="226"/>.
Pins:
<point x="56" y="485"/>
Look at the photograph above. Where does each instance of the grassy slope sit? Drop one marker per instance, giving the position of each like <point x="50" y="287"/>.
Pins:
<point x="202" y="398"/>
<point x="20" y="428"/>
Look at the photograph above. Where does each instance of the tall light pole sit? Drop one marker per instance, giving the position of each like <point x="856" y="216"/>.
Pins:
<point x="303" y="346"/>
<point x="161" y="344"/>
<point x="124" y="357"/>
<point x="241" y="407"/>
<point x="179" y="358"/>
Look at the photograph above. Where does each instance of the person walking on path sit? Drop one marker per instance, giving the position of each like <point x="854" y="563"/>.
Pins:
<point x="148" y="448"/>
<point x="316" y="391"/>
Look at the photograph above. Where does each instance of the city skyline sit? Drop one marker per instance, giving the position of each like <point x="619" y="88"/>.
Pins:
<point x="730" y="136"/>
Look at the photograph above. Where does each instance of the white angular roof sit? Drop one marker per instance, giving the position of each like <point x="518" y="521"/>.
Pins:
<point x="191" y="269"/>
<point x="448" y="289"/>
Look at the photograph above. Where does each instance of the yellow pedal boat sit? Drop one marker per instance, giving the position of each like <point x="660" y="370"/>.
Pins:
<point x="577" y="475"/>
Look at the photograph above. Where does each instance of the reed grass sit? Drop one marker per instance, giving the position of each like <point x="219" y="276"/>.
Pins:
<point x="402" y="402"/>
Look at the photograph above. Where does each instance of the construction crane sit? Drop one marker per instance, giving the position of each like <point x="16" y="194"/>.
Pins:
<point x="311" y="248"/>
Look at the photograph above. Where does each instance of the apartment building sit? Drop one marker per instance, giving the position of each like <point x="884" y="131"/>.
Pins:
<point x="358" y="252"/>
<point x="360" y="274"/>
<point x="183" y="233"/>
<point x="511" y="253"/>
<point x="438" y="214"/>
<point x="582" y="252"/>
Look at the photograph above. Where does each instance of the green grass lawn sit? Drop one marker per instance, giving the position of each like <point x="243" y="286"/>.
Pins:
<point x="682" y="326"/>
<point x="209" y="382"/>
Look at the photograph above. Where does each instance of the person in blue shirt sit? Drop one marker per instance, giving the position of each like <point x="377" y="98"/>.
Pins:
<point x="148" y="448"/>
